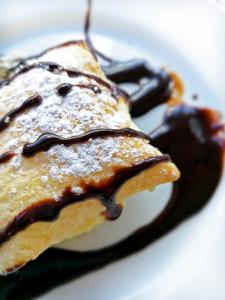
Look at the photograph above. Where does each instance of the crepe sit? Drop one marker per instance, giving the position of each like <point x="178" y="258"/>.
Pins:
<point x="29" y="181"/>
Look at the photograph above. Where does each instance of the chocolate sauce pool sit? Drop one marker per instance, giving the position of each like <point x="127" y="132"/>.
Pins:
<point x="191" y="136"/>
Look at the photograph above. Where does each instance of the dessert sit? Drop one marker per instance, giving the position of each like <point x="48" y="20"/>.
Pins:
<point x="70" y="154"/>
<point x="193" y="137"/>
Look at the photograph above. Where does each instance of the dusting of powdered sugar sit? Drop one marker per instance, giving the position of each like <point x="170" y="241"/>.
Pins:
<point x="82" y="159"/>
<point x="72" y="57"/>
<point x="77" y="112"/>
<point x="73" y="114"/>
<point x="44" y="178"/>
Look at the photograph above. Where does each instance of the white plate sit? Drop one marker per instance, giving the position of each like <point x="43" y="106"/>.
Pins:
<point x="182" y="35"/>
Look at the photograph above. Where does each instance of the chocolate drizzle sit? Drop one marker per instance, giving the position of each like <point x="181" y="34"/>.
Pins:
<point x="87" y="29"/>
<point x="64" y="88"/>
<point x="156" y="90"/>
<point x="25" y="61"/>
<point x="56" y="68"/>
<point x="5" y="157"/>
<point x="48" y="140"/>
<point x="193" y="138"/>
<point x="153" y="92"/>
<point x="49" y="209"/>
<point x="30" y="102"/>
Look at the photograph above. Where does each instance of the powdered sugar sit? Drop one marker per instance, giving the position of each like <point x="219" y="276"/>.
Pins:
<point x="82" y="159"/>
<point x="79" y="111"/>
<point x="44" y="178"/>
<point x="72" y="57"/>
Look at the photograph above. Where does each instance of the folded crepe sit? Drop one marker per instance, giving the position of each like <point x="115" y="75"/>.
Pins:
<point x="69" y="153"/>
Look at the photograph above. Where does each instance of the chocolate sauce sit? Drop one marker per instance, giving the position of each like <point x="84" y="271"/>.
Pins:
<point x="155" y="91"/>
<point x="5" y="157"/>
<point x="113" y="212"/>
<point x="49" y="209"/>
<point x="87" y="29"/>
<point x="192" y="138"/>
<point x="64" y="88"/>
<point x="151" y="94"/>
<point x="10" y="116"/>
<point x="48" y="140"/>
<point x="56" y="68"/>
<point x="25" y="61"/>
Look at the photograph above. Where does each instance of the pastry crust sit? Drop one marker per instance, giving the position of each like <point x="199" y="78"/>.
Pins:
<point x="27" y="181"/>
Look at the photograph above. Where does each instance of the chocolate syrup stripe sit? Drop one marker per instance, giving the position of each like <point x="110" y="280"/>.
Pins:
<point x="155" y="91"/>
<point x="36" y="100"/>
<point x="23" y="62"/>
<point x="128" y="71"/>
<point x="54" y="68"/>
<point x="49" y="209"/>
<point x="30" y="102"/>
<point x="64" y="88"/>
<point x="87" y="29"/>
<point x="131" y="71"/>
<point x="48" y="140"/>
<point x="5" y="157"/>
<point x="198" y="154"/>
